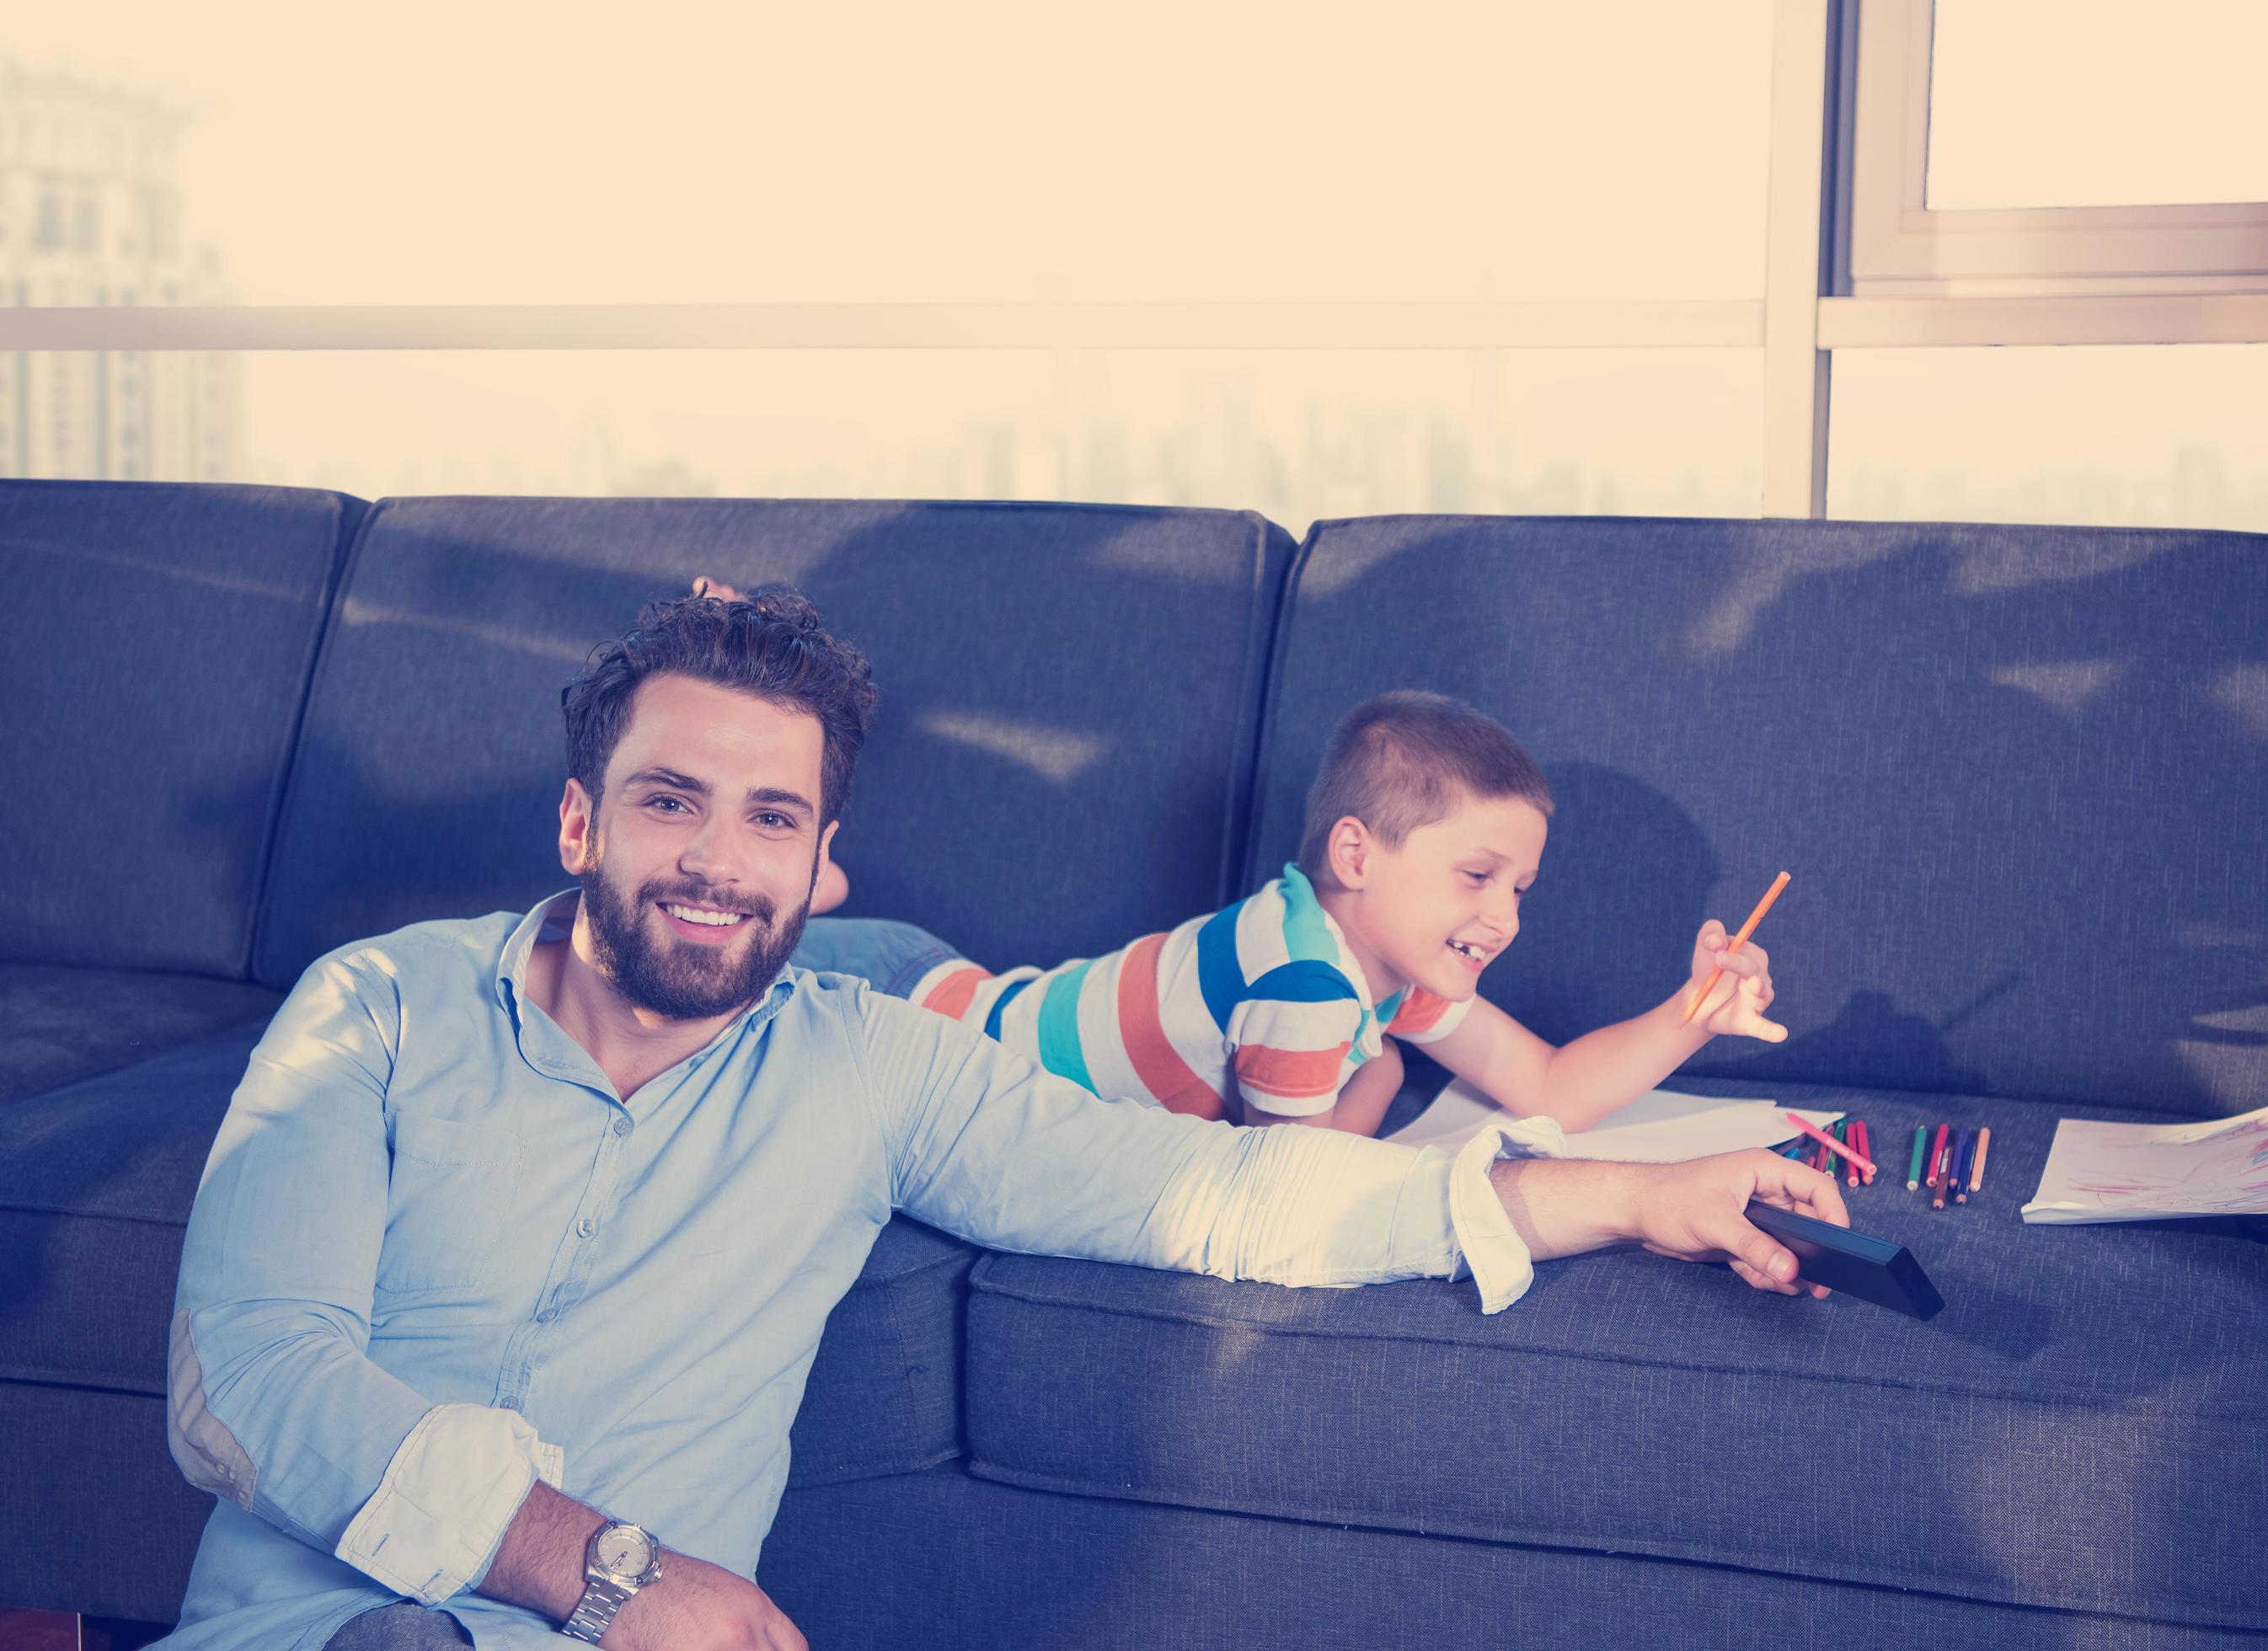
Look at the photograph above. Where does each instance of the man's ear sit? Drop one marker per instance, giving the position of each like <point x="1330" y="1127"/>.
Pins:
<point x="826" y="844"/>
<point x="1348" y="851"/>
<point x="578" y="827"/>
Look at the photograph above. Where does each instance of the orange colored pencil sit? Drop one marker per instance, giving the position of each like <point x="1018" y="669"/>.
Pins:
<point x="1739" y="940"/>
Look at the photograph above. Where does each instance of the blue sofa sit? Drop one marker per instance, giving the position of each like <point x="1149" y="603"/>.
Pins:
<point x="2018" y="773"/>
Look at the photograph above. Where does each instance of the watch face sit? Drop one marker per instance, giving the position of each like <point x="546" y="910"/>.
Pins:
<point x="623" y="1552"/>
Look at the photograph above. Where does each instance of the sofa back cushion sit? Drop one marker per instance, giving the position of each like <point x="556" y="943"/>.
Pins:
<point x="2017" y="774"/>
<point x="153" y="676"/>
<point x="1068" y="698"/>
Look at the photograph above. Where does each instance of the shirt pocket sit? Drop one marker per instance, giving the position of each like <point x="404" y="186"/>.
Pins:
<point x="449" y="1205"/>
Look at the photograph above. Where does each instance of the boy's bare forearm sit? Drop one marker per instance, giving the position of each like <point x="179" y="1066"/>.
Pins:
<point x="1615" y="1065"/>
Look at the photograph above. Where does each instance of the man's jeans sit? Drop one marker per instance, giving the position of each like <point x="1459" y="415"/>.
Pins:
<point x="894" y="956"/>
<point x="406" y="1626"/>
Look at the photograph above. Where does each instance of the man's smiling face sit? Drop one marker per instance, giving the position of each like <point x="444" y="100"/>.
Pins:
<point x="698" y="870"/>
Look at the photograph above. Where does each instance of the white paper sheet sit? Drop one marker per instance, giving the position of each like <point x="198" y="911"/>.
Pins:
<point x="1660" y="1127"/>
<point x="2150" y="1171"/>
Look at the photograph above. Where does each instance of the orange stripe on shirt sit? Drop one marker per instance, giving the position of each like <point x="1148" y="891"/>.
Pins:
<point x="1155" y="1061"/>
<point x="952" y="995"/>
<point x="1293" y="1074"/>
<point x="1418" y="1011"/>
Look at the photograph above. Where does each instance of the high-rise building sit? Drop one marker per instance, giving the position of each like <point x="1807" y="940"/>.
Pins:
<point x="90" y="213"/>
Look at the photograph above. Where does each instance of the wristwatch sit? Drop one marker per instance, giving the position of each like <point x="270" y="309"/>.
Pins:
<point x="619" y="1560"/>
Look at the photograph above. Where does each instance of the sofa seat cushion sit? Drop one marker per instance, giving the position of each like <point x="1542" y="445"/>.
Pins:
<point x="59" y="1025"/>
<point x="96" y="1182"/>
<point x="2065" y="1434"/>
<point x="884" y="1394"/>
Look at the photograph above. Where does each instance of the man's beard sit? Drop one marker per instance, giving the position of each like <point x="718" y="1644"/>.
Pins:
<point x="682" y="980"/>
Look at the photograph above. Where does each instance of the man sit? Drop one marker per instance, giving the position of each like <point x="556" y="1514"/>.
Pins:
<point x="517" y="1242"/>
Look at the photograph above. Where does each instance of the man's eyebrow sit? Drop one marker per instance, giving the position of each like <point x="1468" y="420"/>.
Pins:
<point x="669" y="777"/>
<point x="779" y="798"/>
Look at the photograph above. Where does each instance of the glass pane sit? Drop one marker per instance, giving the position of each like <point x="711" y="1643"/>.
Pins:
<point x="1295" y="435"/>
<point x="1014" y="151"/>
<point x="2129" y="435"/>
<point x="2056" y="102"/>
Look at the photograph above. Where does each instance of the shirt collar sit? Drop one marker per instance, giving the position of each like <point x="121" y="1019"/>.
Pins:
<point x="554" y="918"/>
<point x="1297" y="888"/>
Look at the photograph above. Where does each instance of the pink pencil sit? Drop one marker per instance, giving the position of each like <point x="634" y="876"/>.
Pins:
<point x="1865" y="1165"/>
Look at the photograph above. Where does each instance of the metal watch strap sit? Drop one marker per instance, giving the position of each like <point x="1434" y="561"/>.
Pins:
<point x="595" y="1610"/>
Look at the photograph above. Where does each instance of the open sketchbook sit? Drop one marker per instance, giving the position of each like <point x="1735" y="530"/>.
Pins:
<point x="2149" y="1172"/>
<point x="1660" y="1126"/>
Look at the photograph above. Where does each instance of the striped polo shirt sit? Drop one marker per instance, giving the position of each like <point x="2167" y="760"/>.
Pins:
<point x="1261" y="998"/>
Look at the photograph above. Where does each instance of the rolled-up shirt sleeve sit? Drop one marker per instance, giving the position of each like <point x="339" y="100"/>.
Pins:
<point x="984" y="1144"/>
<point x="274" y="1403"/>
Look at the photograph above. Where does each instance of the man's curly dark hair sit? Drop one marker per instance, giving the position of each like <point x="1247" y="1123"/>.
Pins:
<point x="770" y="644"/>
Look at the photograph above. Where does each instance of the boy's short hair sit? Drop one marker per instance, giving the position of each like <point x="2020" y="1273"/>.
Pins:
<point x="1406" y="758"/>
<point x="770" y="645"/>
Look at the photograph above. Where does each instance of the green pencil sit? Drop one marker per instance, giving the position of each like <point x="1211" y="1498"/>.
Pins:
<point x="1913" y="1172"/>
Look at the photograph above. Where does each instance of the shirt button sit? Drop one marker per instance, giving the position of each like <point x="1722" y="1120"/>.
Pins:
<point x="547" y="1316"/>
<point x="509" y="1401"/>
<point x="585" y="1227"/>
<point x="621" y="1125"/>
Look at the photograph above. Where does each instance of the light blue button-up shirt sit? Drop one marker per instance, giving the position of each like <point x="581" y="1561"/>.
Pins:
<point x="434" y="1258"/>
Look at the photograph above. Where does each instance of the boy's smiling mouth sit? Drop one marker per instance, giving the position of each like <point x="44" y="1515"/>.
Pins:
<point x="1471" y="953"/>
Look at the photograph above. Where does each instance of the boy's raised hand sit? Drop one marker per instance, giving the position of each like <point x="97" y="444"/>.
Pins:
<point x="1737" y="1003"/>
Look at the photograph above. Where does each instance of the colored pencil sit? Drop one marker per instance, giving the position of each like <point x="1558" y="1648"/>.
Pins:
<point x="1846" y="1131"/>
<point x="1867" y="1148"/>
<point x="1826" y="1142"/>
<point x="1739" y="940"/>
<point x="1961" y="1166"/>
<point x="1913" y="1169"/>
<point x="1937" y="1168"/>
<point x="1977" y="1169"/>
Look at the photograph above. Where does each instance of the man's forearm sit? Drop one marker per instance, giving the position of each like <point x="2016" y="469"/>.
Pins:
<point x="1613" y="1065"/>
<point x="539" y="1563"/>
<point x="1566" y="1206"/>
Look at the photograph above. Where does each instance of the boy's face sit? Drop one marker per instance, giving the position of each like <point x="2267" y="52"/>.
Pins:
<point x="1436" y="910"/>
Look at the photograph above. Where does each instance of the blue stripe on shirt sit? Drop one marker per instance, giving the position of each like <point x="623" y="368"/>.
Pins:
<point x="1302" y="980"/>
<point x="992" y="1020"/>
<point x="1221" y="977"/>
<point x="1306" y="932"/>
<point x="1059" y="1050"/>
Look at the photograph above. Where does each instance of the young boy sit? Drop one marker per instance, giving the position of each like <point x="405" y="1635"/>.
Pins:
<point x="1424" y="830"/>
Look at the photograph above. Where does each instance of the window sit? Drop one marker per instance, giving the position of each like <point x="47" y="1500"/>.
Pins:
<point x="1971" y="119"/>
<point x="2112" y="435"/>
<point x="1261" y="256"/>
<point x="2089" y="103"/>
